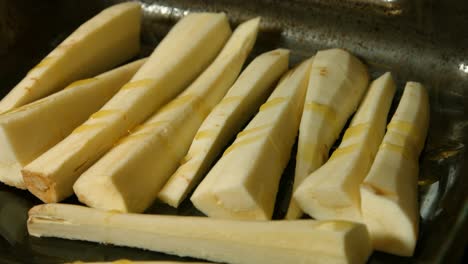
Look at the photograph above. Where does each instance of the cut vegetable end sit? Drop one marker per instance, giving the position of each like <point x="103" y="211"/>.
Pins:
<point x="90" y="193"/>
<point x="40" y="186"/>
<point x="391" y="229"/>
<point x="213" y="204"/>
<point x="175" y="191"/>
<point x="328" y="203"/>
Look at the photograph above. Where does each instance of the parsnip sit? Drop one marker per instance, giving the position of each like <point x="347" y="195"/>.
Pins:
<point x="241" y="102"/>
<point x="30" y="130"/>
<point x="104" y="41"/>
<point x="390" y="192"/>
<point x="244" y="182"/>
<point x="130" y="176"/>
<point x="336" y="84"/>
<point x="227" y="241"/>
<point x="332" y="191"/>
<point x="187" y="49"/>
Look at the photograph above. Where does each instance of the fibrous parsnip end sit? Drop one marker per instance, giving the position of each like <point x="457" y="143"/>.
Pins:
<point x="100" y="194"/>
<point x="392" y="230"/>
<point x="40" y="185"/>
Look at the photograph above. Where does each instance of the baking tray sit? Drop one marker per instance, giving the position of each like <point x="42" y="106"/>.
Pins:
<point x="419" y="40"/>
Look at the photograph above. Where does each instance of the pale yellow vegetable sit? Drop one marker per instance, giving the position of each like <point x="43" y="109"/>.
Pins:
<point x="240" y="103"/>
<point x="332" y="191"/>
<point x="180" y="57"/>
<point x="389" y="193"/>
<point x="30" y="130"/>
<point x="104" y="41"/>
<point x="337" y="83"/>
<point x="244" y="182"/>
<point x="225" y="241"/>
<point x="130" y="176"/>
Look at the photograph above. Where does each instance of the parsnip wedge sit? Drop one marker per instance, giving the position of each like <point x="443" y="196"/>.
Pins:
<point x="104" y="41"/>
<point x="244" y="182"/>
<point x="226" y="241"/>
<point x="337" y="83"/>
<point x="30" y="130"/>
<point x="241" y="102"/>
<point x="332" y="191"/>
<point x="130" y="176"/>
<point x="185" y="51"/>
<point x="389" y="192"/>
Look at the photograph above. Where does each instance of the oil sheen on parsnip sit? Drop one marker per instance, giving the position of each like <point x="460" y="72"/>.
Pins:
<point x="390" y="190"/>
<point x="336" y="85"/>
<point x="106" y="40"/>
<point x="171" y="67"/>
<point x="241" y="102"/>
<point x="30" y="130"/>
<point x="244" y="182"/>
<point x="332" y="191"/>
<point x="221" y="241"/>
<point x="129" y="177"/>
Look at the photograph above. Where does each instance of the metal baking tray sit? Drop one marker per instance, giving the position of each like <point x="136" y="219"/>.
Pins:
<point x="419" y="40"/>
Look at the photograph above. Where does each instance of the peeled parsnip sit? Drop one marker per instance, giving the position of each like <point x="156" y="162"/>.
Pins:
<point x="337" y="83"/>
<point x="332" y="191"/>
<point x="130" y="176"/>
<point x="241" y="102"/>
<point x="178" y="59"/>
<point x="226" y="241"/>
<point x="104" y="41"/>
<point x="30" y="130"/>
<point x="244" y="182"/>
<point x="389" y="193"/>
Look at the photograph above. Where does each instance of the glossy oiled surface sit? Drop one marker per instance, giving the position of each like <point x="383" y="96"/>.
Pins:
<point x="418" y="40"/>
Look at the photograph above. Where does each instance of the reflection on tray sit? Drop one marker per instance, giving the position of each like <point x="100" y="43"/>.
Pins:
<point x="13" y="216"/>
